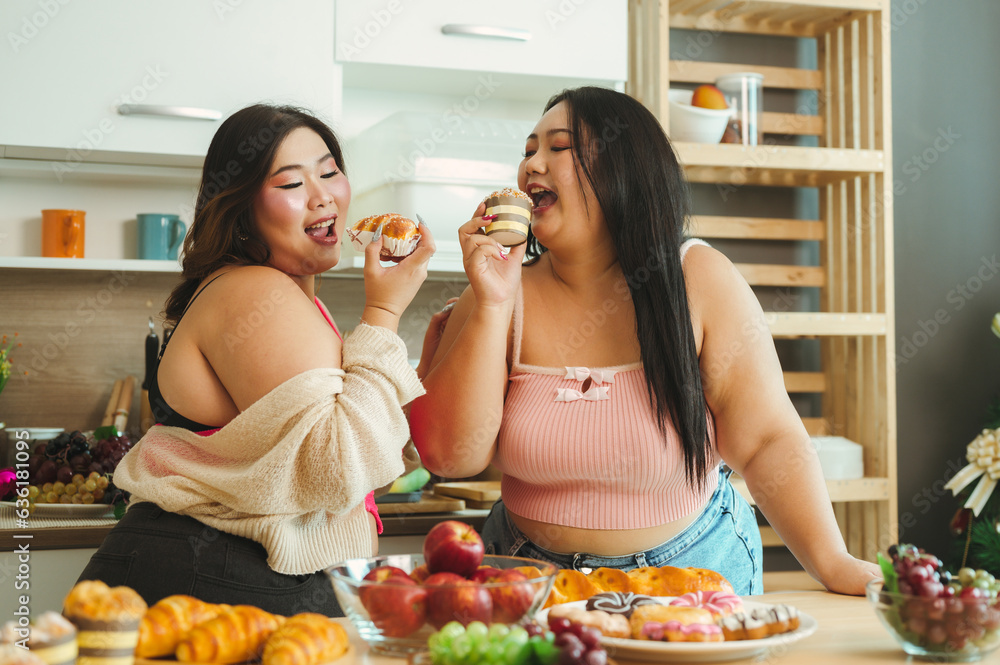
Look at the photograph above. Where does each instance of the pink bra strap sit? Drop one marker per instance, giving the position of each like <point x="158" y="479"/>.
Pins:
<point x="518" y="325"/>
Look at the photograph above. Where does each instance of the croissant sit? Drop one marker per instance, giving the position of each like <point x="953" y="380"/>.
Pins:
<point x="305" y="639"/>
<point x="236" y="635"/>
<point x="167" y="622"/>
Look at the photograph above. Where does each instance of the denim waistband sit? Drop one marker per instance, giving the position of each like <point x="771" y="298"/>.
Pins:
<point x="678" y="543"/>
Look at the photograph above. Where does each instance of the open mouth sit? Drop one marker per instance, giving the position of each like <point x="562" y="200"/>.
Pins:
<point x="322" y="229"/>
<point x="541" y="198"/>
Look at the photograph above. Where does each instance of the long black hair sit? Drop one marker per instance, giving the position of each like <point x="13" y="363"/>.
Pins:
<point x="236" y="167"/>
<point x="626" y="157"/>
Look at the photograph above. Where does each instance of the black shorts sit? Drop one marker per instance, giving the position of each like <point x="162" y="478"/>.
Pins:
<point x="160" y="554"/>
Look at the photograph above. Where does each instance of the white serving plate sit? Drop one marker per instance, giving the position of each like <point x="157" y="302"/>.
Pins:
<point x="697" y="652"/>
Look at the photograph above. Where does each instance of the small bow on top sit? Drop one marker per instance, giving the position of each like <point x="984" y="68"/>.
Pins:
<point x="598" y="376"/>
<point x="595" y="394"/>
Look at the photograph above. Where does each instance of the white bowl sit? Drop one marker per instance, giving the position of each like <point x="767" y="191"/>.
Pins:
<point x="693" y="123"/>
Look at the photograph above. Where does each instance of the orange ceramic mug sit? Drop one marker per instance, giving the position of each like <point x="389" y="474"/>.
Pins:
<point x="62" y="233"/>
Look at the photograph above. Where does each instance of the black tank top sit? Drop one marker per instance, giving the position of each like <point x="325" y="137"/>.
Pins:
<point x="163" y="414"/>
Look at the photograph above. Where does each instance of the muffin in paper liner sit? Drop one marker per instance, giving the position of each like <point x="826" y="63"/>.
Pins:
<point x="50" y="637"/>
<point x="513" y="210"/>
<point x="107" y="622"/>
<point x="399" y="235"/>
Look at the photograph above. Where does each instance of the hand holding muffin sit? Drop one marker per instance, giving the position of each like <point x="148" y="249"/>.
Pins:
<point x="388" y="291"/>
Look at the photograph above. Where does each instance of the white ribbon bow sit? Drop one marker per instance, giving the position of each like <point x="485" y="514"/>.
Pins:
<point x="983" y="455"/>
<point x="598" y="376"/>
<point x="595" y="394"/>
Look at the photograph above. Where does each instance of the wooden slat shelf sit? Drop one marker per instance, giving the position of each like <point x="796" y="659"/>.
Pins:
<point x="851" y="229"/>
<point x="804" y="382"/>
<point x="799" y="18"/>
<point x="762" y="274"/>
<point x="823" y="324"/>
<point x="791" y="78"/>
<point x="775" y="165"/>
<point x="756" y="228"/>
<point x="841" y="491"/>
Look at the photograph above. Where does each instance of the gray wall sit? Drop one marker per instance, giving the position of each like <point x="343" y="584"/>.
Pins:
<point x="946" y="134"/>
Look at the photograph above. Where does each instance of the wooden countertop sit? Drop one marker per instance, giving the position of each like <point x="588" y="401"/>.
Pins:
<point x="849" y="632"/>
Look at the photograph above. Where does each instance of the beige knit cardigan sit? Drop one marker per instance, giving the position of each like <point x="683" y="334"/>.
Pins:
<point x="291" y="471"/>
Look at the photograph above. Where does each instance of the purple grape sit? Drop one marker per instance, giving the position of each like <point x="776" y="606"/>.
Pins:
<point x="591" y="637"/>
<point x="595" y="657"/>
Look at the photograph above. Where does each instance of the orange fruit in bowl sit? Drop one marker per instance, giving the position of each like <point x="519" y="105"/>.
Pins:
<point x="708" y="97"/>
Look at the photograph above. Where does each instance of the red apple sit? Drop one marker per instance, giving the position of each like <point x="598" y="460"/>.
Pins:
<point x="420" y="573"/>
<point x="453" y="547"/>
<point x="512" y="600"/>
<point x="484" y="574"/>
<point x="396" y="604"/>
<point x="451" y="597"/>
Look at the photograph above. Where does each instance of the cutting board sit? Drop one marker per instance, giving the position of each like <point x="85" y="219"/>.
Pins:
<point x="428" y="503"/>
<point x="482" y="491"/>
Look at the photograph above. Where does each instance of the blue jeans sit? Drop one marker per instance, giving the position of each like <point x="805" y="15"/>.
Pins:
<point x="724" y="538"/>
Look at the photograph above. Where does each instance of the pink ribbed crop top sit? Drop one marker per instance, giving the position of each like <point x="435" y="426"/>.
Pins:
<point x="580" y="447"/>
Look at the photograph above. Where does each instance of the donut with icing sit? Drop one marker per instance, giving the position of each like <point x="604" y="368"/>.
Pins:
<point x="778" y="618"/>
<point x="686" y="624"/>
<point x="719" y="603"/>
<point x="742" y="626"/>
<point x="617" y="602"/>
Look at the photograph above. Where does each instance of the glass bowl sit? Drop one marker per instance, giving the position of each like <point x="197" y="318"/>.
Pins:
<point x="940" y="629"/>
<point x="395" y="617"/>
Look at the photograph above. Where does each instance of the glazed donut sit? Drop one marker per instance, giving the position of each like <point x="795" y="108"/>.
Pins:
<point x="617" y="602"/>
<point x="719" y="603"/>
<point x="610" y="625"/>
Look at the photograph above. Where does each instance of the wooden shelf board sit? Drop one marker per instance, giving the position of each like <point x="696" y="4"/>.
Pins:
<point x="756" y="228"/>
<point x="824" y="324"/>
<point x="770" y="538"/>
<point x="701" y="71"/>
<point x="799" y="18"/>
<point x="804" y="382"/>
<point x="774" y="165"/>
<point x="846" y="491"/>
<point x="761" y="274"/>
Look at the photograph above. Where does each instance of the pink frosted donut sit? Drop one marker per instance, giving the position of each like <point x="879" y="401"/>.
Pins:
<point x="675" y="631"/>
<point x="719" y="603"/>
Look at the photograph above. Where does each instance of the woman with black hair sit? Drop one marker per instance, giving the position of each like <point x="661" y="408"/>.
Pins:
<point x="610" y="376"/>
<point x="272" y="430"/>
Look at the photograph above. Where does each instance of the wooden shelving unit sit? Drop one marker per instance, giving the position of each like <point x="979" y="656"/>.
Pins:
<point x="851" y="168"/>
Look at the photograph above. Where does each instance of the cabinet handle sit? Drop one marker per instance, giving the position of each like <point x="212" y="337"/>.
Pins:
<point x="169" y="111"/>
<point x="488" y="31"/>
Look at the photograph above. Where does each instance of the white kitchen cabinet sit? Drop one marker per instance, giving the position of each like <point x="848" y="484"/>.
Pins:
<point x="68" y="69"/>
<point x="556" y="38"/>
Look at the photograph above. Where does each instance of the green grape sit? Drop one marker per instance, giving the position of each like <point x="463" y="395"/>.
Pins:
<point x="517" y="635"/>
<point x="461" y="647"/>
<point x="514" y="653"/>
<point x="477" y="631"/>
<point x="498" y="631"/>
<point x="495" y="654"/>
<point x="435" y="643"/>
<point x="545" y="652"/>
<point x="451" y="630"/>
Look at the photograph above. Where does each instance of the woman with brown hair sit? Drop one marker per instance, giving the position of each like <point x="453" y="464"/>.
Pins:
<point x="272" y="431"/>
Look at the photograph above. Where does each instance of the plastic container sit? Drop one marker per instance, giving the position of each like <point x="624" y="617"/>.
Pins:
<point x="744" y="93"/>
<point x="840" y="458"/>
<point x="440" y="166"/>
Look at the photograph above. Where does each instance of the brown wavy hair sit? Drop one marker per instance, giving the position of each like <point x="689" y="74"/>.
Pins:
<point x="237" y="165"/>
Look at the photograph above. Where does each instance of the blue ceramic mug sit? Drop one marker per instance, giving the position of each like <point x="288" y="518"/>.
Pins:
<point x="160" y="236"/>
